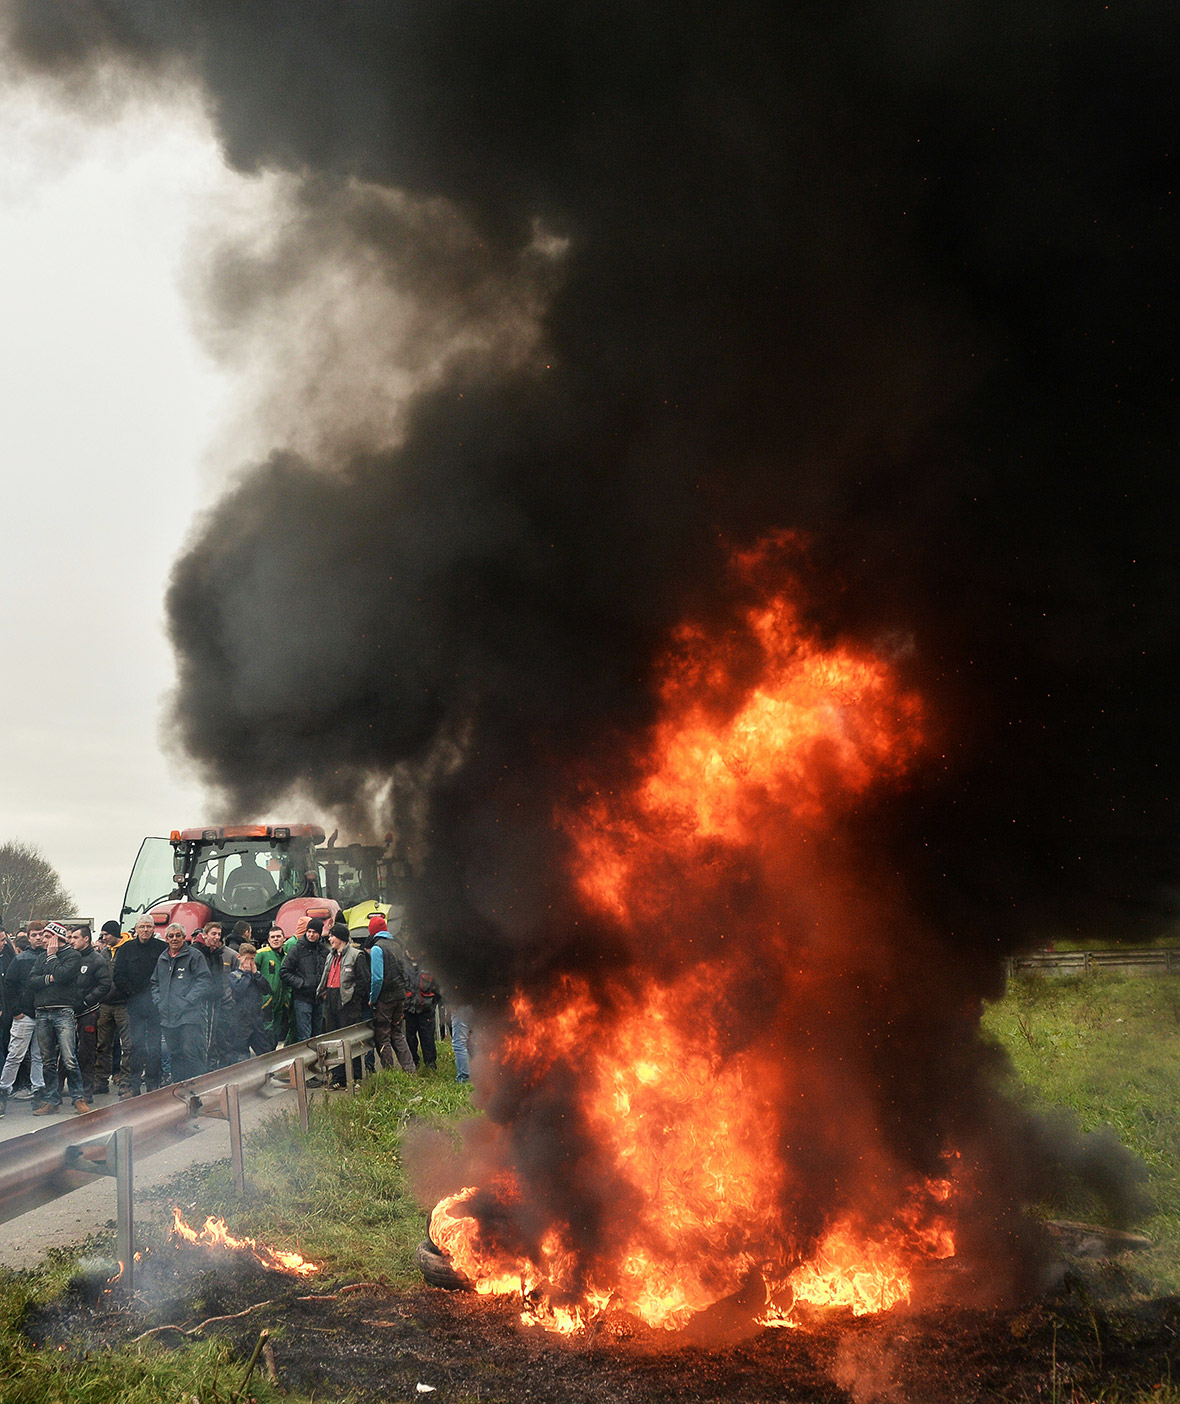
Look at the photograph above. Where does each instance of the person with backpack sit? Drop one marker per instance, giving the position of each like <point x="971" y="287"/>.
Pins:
<point x="391" y="973"/>
<point x="421" y="1002"/>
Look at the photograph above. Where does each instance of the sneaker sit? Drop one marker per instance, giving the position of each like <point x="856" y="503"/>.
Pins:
<point x="24" y="1095"/>
<point x="81" y="1108"/>
<point x="46" y="1109"/>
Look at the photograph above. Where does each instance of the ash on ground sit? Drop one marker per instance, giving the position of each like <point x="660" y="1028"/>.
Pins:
<point x="373" y="1342"/>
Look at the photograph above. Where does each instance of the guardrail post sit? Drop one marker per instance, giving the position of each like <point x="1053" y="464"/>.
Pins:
<point x="111" y="1155"/>
<point x="233" y="1113"/>
<point x="346" y="1049"/>
<point x="125" y="1207"/>
<point x="1089" y="966"/>
<point x="300" y="1070"/>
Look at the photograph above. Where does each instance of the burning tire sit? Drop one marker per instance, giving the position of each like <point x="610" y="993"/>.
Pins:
<point x="436" y="1268"/>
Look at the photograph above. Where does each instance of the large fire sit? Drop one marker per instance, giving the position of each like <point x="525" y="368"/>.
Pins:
<point x="699" y="1093"/>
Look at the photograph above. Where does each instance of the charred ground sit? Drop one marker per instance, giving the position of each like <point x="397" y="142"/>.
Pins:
<point x="374" y="1343"/>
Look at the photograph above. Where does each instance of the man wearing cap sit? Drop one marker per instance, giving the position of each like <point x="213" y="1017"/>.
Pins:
<point x="391" y="974"/>
<point x="114" y="1027"/>
<point x="301" y="970"/>
<point x="55" y="980"/>
<point x="135" y="964"/>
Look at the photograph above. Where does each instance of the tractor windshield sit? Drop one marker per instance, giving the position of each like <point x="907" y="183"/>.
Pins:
<point x="247" y="879"/>
<point x="150" y="882"/>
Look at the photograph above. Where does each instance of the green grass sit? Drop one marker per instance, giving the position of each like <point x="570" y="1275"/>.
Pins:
<point x="1107" y="1048"/>
<point x="203" y="1371"/>
<point x="339" y="1195"/>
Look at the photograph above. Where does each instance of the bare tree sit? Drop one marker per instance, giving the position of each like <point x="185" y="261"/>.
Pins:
<point x="30" y="886"/>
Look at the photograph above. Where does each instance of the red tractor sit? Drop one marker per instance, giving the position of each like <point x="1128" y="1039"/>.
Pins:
<point x="266" y="874"/>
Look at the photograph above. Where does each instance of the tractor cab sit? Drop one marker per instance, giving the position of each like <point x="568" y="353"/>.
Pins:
<point x="266" y="874"/>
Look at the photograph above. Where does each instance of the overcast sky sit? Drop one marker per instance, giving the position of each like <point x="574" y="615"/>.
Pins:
<point x="109" y="410"/>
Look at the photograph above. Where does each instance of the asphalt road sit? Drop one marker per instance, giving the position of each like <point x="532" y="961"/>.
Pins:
<point x="84" y="1211"/>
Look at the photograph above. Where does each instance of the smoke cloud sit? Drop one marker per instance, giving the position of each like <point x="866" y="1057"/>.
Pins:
<point x="571" y="300"/>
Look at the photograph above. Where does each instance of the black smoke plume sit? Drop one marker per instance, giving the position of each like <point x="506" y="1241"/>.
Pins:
<point x="899" y="277"/>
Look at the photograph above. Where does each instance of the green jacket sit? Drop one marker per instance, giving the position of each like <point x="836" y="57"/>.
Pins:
<point x="268" y="963"/>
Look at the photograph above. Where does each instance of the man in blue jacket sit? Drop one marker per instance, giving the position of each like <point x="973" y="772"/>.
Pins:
<point x="182" y="988"/>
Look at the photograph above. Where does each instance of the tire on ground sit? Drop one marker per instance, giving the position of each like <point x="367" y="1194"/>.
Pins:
<point x="437" y="1269"/>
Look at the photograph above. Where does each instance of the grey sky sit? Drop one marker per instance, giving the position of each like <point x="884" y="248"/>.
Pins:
<point x="108" y="411"/>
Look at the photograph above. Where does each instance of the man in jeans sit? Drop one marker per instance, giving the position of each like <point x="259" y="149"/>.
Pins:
<point x="22" y="1041"/>
<point x="301" y="971"/>
<point x="114" y="1026"/>
<point x="54" y="981"/>
<point x="391" y="973"/>
<point x="94" y="986"/>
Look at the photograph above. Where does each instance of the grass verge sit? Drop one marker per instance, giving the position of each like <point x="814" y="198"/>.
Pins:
<point x="339" y="1194"/>
<point x="1107" y="1047"/>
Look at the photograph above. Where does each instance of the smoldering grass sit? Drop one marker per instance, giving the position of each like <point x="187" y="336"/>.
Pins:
<point x="338" y="1194"/>
<point x="206" y="1372"/>
<point x="1106" y="1047"/>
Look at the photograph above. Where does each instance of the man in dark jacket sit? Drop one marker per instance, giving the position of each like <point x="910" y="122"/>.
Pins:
<point x="246" y="1029"/>
<point x="222" y="961"/>
<point x="55" y="980"/>
<point x="391" y="973"/>
<point x="344" y="988"/>
<point x="301" y="970"/>
<point x="135" y="964"/>
<point x="94" y="985"/>
<point x="114" y="1028"/>
<point x="421" y="1002"/>
<point x="22" y="1040"/>
<point x="182" y="988"/>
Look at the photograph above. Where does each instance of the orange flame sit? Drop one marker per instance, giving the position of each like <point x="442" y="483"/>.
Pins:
<point x="215" y="1234"/>
<point x="766" y="738"/>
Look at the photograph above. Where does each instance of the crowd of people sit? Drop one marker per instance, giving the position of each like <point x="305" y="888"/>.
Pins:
<point x="130" y="1011"/>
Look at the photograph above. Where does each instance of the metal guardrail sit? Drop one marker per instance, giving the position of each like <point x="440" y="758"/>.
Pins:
<point x="45" y="1164"/>
<point x="1140" y="960"/>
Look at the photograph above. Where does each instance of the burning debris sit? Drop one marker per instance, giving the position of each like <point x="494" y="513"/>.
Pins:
<point x="215" y="1234"/>
<point x="766" y="618"/>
